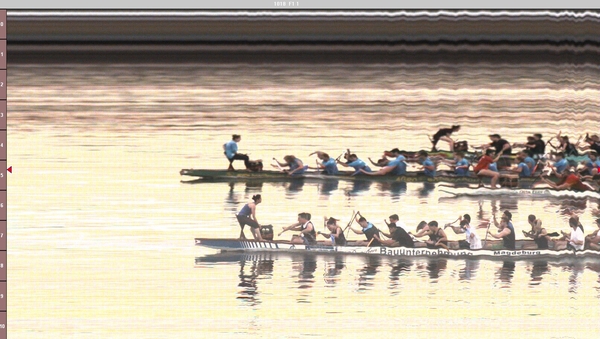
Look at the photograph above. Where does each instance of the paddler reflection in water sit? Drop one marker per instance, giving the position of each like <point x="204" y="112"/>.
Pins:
<point x="308" y="235"/>
<point x="370" y="231"/>
<point x="247" y="216"/>
<point x="336" y="234"/>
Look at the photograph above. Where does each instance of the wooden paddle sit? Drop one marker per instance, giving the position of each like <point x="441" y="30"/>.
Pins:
<point x="277" y="165"/>
<point x="486" y="233"/>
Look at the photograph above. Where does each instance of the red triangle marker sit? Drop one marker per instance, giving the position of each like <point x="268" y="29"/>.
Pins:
<point x="9" y="169"/>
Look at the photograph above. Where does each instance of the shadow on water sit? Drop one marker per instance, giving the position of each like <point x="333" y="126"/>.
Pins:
<point x="399" y="268"/>
<point x="250" y="271"/>
<point x="328" y="186"/>
<point x="358" y="187"/>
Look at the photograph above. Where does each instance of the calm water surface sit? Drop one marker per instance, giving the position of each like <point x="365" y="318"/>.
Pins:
<point x="101" y="229"/>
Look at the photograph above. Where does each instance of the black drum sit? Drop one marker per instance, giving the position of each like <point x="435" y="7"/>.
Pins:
<point x="266" y="231"/>
<point x="255" y="166"/>
<point x="461" y="146"/>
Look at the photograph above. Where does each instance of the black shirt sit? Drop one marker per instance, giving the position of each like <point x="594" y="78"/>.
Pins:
<point x="369" y="232"/>
<point x="596" y="147"/>
<point x="442" y="132"/>
<point x="403" y="238"/>
<point x="540" y="147"/>
<point x="498" y="146"/>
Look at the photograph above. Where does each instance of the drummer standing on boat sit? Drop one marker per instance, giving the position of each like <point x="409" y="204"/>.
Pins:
<point x="247" y="216"/>
<point x="444" y="135"/>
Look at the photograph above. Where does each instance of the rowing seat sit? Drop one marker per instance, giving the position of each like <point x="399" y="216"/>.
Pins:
<point x="509" y="180"/>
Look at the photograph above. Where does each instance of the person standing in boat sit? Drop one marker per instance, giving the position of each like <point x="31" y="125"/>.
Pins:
<point x="231" y="152"/>
<point x="356" y="163"/>
<point x="328" y="165"/>
<point x="444" y="135"/>
<point x="308" y="234"/>
<point x="537" y="233"/>
<point x="296" y="167"/>
<point x="393" y="167"/>
<point x="506" y="231"/>
<point x="593" y="240"/>
<point x="370" y="231"/>
<point x="247" y="216"/>
<point x="336" y="233"/>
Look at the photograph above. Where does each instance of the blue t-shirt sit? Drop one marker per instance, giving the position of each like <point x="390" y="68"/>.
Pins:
<point x="561" y="165"/>
<point x="462" y="171"/>
<point x="231" y="149"/>
<point x="530" y="162"/>
<point x="592" y="164"/>
<point x="330" y="167"/>
<point x="295" y="165"/>
<point x="359" y="164"/>
<point x="429" y="173"/>
<point x="525" y="171"/>
<point x="400" y="165"/>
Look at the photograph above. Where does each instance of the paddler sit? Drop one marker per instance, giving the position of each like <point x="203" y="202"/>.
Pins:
<point x="437" y="236"/>
<point x="308" y="234"/>
<point x="397" y="166"/>
<point x="444" y="135"/>
<point x="593" y="240"/>
<point x="398" y="237"/>
<point x="522" y="168"/>
<point x="369" y="230"/>
<point x="356" y="163"/>
<point x="569" y="181"/>
<point x="296" y="167"/>
<point x="506" y="231"/>
<point x="247" y="216"/>
<point x="427" y="163"/>
<point x="573" y="240"/>
<point x="537" y="233"/>
<point x="328" y="165"/>
<point x="483" y="167"/>
<point x="336" y="233"/>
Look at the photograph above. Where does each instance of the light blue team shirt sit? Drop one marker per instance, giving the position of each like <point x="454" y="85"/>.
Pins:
<point x="561" y="165"/>
<point x="463" y="172"/>
<point x="530" y="162"/>
<point x="359" y="164"/>
<point x="428" y="162"/>
<point x="295" y="165"/>
<point x="592" y="164"/>
<point x="400" y="165"/>
<point x="330" y="167"/>
<point x="231" y="149"/>
<point x="525" y="171"/>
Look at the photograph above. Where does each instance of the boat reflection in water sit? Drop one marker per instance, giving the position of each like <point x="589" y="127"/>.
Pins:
<point x="327" y="187"/>
<point x="303" y="282"/>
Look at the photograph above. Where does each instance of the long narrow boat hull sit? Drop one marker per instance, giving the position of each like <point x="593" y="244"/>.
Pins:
<point x="207" y="175"/>
<point x="493" y="250"/>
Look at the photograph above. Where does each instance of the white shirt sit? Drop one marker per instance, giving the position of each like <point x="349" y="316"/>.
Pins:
<point x="577" y="235"/>
<point x="475" y="242"/>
